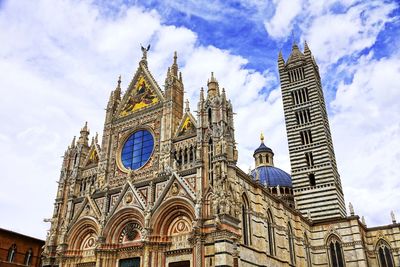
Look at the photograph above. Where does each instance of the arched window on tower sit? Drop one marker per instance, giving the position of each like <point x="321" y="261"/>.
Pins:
<point x="385" y="256"/>
<point x="291" y="245"/>
<point x="307" y="248"/>
<point x="11" y="253"/>
<point x="270" y="233"/>
<point x="209" y="116"/>
<point x="245" y="221"/>
<point x="335" y="252"/>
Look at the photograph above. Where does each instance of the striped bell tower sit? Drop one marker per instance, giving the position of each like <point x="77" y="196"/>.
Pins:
<point x="316" y="181"/>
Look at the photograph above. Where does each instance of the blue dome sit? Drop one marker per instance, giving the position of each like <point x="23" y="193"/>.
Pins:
<point x="272" y="176"/>
<point x="263" y="148"/>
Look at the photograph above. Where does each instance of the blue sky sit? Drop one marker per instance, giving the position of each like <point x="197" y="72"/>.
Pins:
<point x="60" y="59"/>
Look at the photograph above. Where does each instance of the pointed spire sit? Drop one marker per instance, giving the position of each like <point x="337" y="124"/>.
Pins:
<point x="96" y="138"/>
<point x="85" y="128"/>
<point x="92" y="142"/>
<point x="73" y="142"/>
<point x="174" y="67"/>
<point x="212" y="86"/>
<point x="201" y="94"/>
<point x="295" y="54"/>
<point x="117" y="91"/>
<point x="180" y="76"/>
<point x="281" y="61"/>
<point x="307" y="51"/>
<point x="84" y="137"/>
<point x="119" y="82"/>
<point x="223" y="95"/>
<point x="187" y="107"/>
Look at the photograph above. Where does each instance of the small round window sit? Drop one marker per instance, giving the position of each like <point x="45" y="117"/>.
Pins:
<point x="137" y="149"/>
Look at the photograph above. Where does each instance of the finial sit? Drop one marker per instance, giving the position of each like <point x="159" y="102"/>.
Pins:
<point x="393" y="217"/>
<point x="92" y="143"/>
<point x="187" y="107"/>
<point x="351" y="209"/>
<point x="262" y="137"/>
<point x="85" y="127"/>
<point x="119" y="81"/>
<point x="201" y="93"/>
<point x="180" y="76"/>
<point x="175" y="57"/>
<point x="96" y="138"/>
<point x="73" y="142"/>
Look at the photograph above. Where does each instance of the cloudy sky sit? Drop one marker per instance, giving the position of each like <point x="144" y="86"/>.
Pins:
<point x="61" y="58"/>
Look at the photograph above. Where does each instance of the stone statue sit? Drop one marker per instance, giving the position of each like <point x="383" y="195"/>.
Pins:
<point x="393" y="217"/>
<point x="351" y="209"/>
<point x="147" y="217"/>
<point x="197" y="207"/>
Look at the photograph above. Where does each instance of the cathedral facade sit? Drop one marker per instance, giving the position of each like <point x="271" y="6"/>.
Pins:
<point x="163" y="189"/>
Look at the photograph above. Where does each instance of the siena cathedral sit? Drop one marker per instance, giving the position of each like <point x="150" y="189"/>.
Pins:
<point x="162" y="187"/>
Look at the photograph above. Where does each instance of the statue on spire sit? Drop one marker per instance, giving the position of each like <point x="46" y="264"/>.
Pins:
<point x="144" y="51"/>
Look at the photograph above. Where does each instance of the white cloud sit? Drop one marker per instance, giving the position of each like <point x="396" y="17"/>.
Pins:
<point x="367" y="119"/>
<point x="281" y="24"/>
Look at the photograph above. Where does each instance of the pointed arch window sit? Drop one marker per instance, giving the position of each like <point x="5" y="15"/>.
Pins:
<point x="385" y="256"/>
<point x="28" y="257"/>
<point x="210" y="159"/>
<point x="270" y="232"/>
<point x="245" y="221"/>
<point x="308" y="252"/>
<point x="335" y="252"/>
<point x="291" y="245"/>
<point x="11" y="253"/>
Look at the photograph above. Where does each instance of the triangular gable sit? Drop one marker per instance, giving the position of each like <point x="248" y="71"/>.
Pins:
<point x="88" y="208"/>
<point x="187" y="125"/>
<point x="143" y="92"/>
<point x="175" y="185"/>
<point x="92" y="157"/>
<point x="128" y="197"/>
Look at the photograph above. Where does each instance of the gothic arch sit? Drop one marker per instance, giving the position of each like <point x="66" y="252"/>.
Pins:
<point x="177" y="212"/>
<point x="335" y="251"/>
<point x="116" y="224"/>
<point x="270" y="232"/>
<point x="83" y="234"/>
<point x="307" y="248"/>
<point x="208" y="204"/>
<point x="384" y="253"/>
<point x="292" y="249"/>
<point x="246" y="227"/>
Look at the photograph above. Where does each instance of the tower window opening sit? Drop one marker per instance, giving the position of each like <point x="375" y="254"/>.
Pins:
<point x="309" y="159"/>
<point x="209" y="116"/>
<point x="306" y="137"/>
<point x="303" y="116"/>
<point x="261" y="159"/>
<point x="311" y="178"/>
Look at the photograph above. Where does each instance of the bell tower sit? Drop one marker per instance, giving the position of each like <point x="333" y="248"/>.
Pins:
<point x="316" y="181"/>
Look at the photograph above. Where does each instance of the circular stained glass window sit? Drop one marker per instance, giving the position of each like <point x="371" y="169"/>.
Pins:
<point x="137" y="149"/>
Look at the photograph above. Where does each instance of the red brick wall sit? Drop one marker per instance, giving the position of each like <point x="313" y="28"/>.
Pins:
<point x="24" y="243"/>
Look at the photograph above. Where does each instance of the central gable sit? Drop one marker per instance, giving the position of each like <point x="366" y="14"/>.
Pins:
<point x="143" y="92"/>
